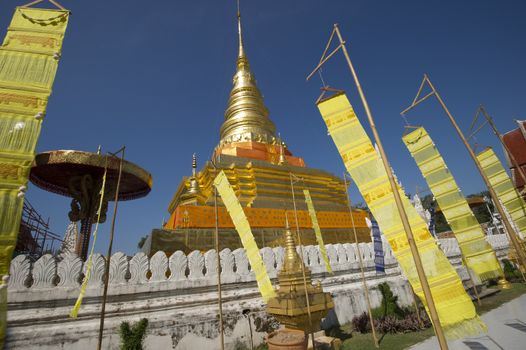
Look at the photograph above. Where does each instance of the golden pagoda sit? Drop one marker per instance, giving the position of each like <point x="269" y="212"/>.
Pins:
<point x="260" y="167"/>
<point x="290" y="305"/>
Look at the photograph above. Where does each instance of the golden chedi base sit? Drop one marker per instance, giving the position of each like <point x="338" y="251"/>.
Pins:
<point x="504" y="283"/>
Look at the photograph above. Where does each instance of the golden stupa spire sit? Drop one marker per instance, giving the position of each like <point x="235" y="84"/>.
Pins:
<point x="194" y="184"/>
<point x="240" y="34"/>
<point x="292" y="260"/>
<point x="246" y="117"/>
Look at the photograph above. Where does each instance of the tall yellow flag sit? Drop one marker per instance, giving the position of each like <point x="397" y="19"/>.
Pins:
<point x="478" y="254"/>
<point x="506" y="191"/>
<point x="317" y="231"/>
<point x="29" y="59"/>
<point x="247" y="238"/>
<point x="455" y="308"/>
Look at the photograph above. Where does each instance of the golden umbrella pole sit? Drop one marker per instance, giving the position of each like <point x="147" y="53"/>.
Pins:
<point x="365" y="288"/>
<point x="110" y="246"/>
<point x="498" y="205"/>
<point x="394" y="188"/>
<point x="298" y="237"/>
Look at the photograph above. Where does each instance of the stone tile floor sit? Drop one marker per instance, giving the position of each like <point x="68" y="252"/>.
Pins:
<point x="506" y="330"/>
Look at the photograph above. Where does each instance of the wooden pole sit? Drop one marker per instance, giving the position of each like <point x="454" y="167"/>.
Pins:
<point x="298" y="237"/>
<point x="219" y="293"/>
<point x="360" y="260"/>
<point x="401" y="210"/>
<point x="417" y="311"/>
<point x="110" y="246"/>
<point x="496" y="201"/>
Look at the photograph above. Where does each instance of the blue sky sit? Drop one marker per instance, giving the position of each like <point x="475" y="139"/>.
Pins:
<point x="155" y="76"/>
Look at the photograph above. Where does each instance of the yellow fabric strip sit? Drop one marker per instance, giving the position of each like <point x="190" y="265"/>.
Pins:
<point x="503" y="186"/>
<point x="10" y="213"/>
<point x="75" y="311"/>
<point x="317" y="231"/>
<point x="3" y="313"/>
<point x="26" y="103"/>
<point x="28" y="63"/>
<point x="27" y="71"/>
<point x="247" y="238"/>
<point x="478" y="254"/>
<point x="455" y="308"/>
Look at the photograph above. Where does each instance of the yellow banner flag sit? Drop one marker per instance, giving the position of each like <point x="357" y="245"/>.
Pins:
<point x="478" y="254"/>
<point x="317" y="231"/>
<point x="506" y="191"/>
<point x="455" y="308"/>
<point x="247" y="238"/>
<point x="29" y="58"/>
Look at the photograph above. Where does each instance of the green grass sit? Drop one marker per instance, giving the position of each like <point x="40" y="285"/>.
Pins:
<point x="389" y="341"/>
<point x="500" y="298"/>
<point x="404" y="340"/>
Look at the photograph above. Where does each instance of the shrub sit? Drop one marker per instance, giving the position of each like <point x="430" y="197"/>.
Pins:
<point x="389" y="317"/>
<point x="510" y="271"/>
<point x="388" y="324"/>
<point x="361" y="323"/>
<point x="132" y="337"/>
<point x="389" y="305"/>
<point x="410" y="322"/>
<point x="391" y="323"/>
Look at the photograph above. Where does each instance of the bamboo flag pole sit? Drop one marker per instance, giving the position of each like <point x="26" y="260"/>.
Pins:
<point x="219" y="296"/>
<point x="394" y="188"/>
<point x="498" y="205"/>
<point x="489" y="120"/>
<point x="110" y="246"/>
<point x="360" y="260"/>
<point x="219" y="291"/>
<point x="298" y="237"/>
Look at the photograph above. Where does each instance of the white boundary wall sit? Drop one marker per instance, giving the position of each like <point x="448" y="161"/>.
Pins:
<point x="178" y="295"/>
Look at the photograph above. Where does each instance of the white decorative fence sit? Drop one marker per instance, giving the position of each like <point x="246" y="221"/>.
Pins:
<point x="178" y="294"/>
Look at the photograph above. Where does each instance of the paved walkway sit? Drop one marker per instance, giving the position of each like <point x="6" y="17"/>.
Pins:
<point x="507" y="330"/>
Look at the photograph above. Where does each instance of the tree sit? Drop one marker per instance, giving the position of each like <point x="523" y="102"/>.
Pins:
<point x="441" y="224"/>
<point x="142" y="241"/>
<point x="480" y="211"/>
